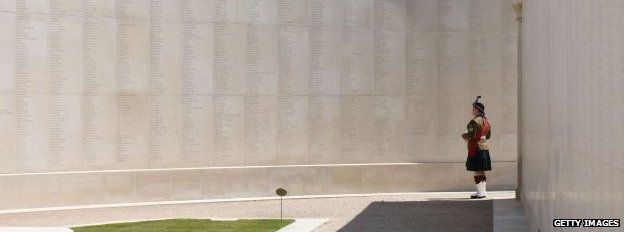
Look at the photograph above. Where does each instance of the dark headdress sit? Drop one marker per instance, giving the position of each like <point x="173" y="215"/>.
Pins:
<point x="479" y="106"/>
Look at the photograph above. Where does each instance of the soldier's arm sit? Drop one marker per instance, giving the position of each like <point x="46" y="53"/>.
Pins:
<point x="473" y="127"/>
<point x="465" y="136"/>
<point x="489" y="133"/>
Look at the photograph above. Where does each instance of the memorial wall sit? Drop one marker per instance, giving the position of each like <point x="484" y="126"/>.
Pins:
<point x="572" y="111"/>
<point x="115" y="101"/>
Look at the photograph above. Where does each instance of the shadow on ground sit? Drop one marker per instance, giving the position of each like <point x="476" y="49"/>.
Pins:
<point x="434" y="215"/>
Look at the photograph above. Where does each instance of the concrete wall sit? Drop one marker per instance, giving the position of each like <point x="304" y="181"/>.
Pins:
<point x="573" y="110"/>
<point x="91" y="89"/>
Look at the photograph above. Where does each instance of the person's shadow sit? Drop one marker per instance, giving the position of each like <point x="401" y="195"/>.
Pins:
<point x="434" y="215"/>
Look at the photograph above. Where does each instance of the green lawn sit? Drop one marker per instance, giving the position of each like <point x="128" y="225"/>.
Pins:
<point x="190" y="225"/>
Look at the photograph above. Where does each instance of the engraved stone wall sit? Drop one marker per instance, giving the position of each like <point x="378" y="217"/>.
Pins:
<point x="102" y="85"/>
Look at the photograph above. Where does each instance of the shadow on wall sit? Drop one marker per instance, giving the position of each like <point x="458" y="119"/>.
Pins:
<point x="436" y="215"/>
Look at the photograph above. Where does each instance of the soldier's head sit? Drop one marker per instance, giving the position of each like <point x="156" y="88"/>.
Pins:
<point x="478" y="109"/>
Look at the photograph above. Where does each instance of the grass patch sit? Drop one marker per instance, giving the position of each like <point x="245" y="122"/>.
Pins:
<point x="190" y="225"/>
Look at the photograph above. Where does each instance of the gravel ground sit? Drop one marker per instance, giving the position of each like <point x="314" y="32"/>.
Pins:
<point x="408" y="212"/>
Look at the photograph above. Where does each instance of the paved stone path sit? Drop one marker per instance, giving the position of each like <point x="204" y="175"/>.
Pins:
<point x="34" y="229"/>
<point x="406" y="212"/>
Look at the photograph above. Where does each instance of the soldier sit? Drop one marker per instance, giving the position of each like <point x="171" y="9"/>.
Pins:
<point x="478" y="159"/>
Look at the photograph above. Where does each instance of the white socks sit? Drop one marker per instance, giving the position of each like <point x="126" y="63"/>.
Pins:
<point x="483" y="191"/>
<point x="480" y="185"/>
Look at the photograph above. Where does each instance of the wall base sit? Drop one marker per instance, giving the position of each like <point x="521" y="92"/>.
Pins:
<point x="24" y="191"/>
